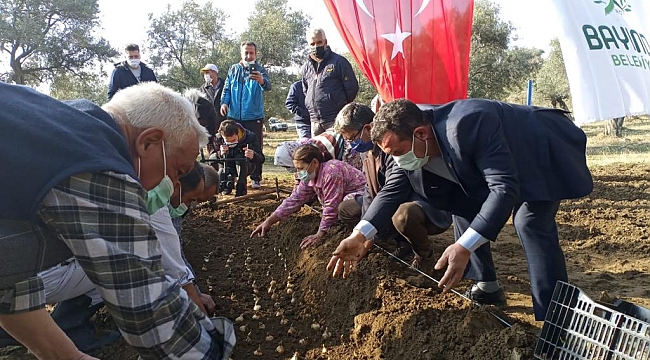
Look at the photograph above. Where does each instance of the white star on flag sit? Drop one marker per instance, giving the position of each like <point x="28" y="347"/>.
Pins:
<point x="397" y="38"/>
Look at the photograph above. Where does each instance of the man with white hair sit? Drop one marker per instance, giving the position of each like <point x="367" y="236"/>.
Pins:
<point x="91" y="178"/>
<point x="328" y="82"/>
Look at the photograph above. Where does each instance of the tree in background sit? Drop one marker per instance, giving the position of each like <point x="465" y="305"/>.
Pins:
<point x="183" y="41"/>
<point x="552" y="84"/>
<point x="43" y="38"/>
<point x="67" y="86"/>
<point x="494" y="69"/>
<point x="279" y="34"/>
<point x="366" y="90"/>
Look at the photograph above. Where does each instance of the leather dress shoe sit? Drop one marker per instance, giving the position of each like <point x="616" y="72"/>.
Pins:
<point x="497" y="298"/>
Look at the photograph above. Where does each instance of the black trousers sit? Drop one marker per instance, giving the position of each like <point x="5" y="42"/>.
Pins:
<point x="239" y="170"/>
<point x="536" y="228"/>
<point x="256" y="126"/>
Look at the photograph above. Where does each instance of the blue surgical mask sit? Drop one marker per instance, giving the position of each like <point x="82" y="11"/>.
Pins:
<point x="159" y="196"/>
<point x="410" y="161"/>
<point x="360" y="146"/>
<point x="305" y="175"/>
<point x="176" y="212"/>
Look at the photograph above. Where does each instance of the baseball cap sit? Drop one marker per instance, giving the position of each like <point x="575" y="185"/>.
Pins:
<point x="209" y="67"/>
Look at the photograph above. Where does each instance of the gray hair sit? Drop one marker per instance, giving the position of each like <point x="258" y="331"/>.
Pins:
<point x="210" y="176"/>
<point x="193" y="95"/>
<point x="313" y="32"/>
<point x="150" y="104"/>
<point x="353" y="117"/>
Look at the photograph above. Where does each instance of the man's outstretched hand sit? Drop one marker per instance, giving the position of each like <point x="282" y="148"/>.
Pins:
<point x="349" y="252"/>
<point x="455" y="258"/>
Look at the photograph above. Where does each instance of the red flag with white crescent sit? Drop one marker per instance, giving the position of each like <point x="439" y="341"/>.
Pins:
<point x="414" y="49"/>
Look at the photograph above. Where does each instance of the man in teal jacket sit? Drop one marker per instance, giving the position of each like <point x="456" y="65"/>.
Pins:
<point x="242" y="98"/>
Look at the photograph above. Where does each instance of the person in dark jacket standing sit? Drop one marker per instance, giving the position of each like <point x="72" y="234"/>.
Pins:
<point x="130" y="71"/>
<point x="213" y="87"/>
<point x="498" y="160"/>
<point x="328" y="82"/>
<point x="296" y="104"/>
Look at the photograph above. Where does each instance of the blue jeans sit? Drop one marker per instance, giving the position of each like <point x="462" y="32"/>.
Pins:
<point x="303" y="130"/>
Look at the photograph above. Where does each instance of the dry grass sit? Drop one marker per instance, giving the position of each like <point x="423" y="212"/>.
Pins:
<point x="632" y="147"/>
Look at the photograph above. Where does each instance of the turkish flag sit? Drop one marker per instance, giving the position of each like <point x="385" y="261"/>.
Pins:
<point x="414" y="49"/>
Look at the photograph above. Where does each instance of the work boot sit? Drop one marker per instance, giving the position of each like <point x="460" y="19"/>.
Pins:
<point x="403" y="249"/>
<point x="497" y="298"/>
<point x="424" y="263"/>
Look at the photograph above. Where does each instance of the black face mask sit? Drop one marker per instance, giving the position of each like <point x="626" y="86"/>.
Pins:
<point x="318" y="51"/>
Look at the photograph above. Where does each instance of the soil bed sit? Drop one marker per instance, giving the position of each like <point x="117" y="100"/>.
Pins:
<point x="386" y="311"/>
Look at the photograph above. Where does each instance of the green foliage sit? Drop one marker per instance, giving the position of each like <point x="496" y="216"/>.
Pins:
<point x="278" y="32"/>
<point x="366" y="90"/>
<point x="274" y="100"/>
<point x="68" y="86"/>
<point x="43" y="37"/>
<point x="184" y="40"/>
<point x="552" y="84"/>
<point x="495" y="70"/>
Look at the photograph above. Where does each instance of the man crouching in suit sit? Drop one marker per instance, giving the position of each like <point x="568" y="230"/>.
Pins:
<point x="499" y="160"/>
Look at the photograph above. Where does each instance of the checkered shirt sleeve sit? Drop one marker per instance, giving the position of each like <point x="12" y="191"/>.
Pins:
<point x="102" y="218"/>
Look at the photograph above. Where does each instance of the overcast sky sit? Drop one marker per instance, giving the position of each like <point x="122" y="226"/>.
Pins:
<point x="125" y="21"/>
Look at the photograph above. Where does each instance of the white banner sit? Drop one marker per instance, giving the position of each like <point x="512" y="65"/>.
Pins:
<point x="606" y="49"/>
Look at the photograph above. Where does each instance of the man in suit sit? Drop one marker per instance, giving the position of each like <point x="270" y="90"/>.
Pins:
<point x="498" y="159"/>
<point x="415" y="219"/>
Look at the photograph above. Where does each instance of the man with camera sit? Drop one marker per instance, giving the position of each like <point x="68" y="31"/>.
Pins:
<point x="237" y="147"/>
<point x="242" y="99"/>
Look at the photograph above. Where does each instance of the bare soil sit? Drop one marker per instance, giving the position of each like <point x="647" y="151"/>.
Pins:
<point x="385" y="310"/>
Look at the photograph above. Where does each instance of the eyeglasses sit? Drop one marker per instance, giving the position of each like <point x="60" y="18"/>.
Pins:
<point x="355" y="135"/>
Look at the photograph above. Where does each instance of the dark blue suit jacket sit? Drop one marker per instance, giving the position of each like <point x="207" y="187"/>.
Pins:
<point x="500" y="155"/>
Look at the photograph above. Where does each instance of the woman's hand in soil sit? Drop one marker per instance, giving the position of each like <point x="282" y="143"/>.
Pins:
<point x="311" y="240"/>
<point x="455" y="258"/>
<point x="263" y="229"/>
<point x="350" y="251"/>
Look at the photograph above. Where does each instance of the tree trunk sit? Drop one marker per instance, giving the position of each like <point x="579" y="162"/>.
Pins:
<point x="614" y="127"/>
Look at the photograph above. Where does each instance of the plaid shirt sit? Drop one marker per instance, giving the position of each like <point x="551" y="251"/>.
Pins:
<point x="102" y="218"/>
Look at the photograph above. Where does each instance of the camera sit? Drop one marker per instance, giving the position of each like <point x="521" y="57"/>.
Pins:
<point x="227" y="185"/>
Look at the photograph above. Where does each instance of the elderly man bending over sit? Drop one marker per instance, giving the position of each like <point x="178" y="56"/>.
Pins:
<point x="92" y="176"/>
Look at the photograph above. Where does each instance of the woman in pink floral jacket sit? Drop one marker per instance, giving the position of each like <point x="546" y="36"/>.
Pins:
<point x="331" y="181"/>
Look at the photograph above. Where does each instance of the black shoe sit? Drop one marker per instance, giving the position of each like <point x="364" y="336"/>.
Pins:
<point x="227" y="192"/>
<point x="497" y="298"/>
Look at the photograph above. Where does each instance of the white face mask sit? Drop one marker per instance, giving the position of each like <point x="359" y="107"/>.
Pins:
<point x="134" y="63"/>
<point x="207" y="78"/>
